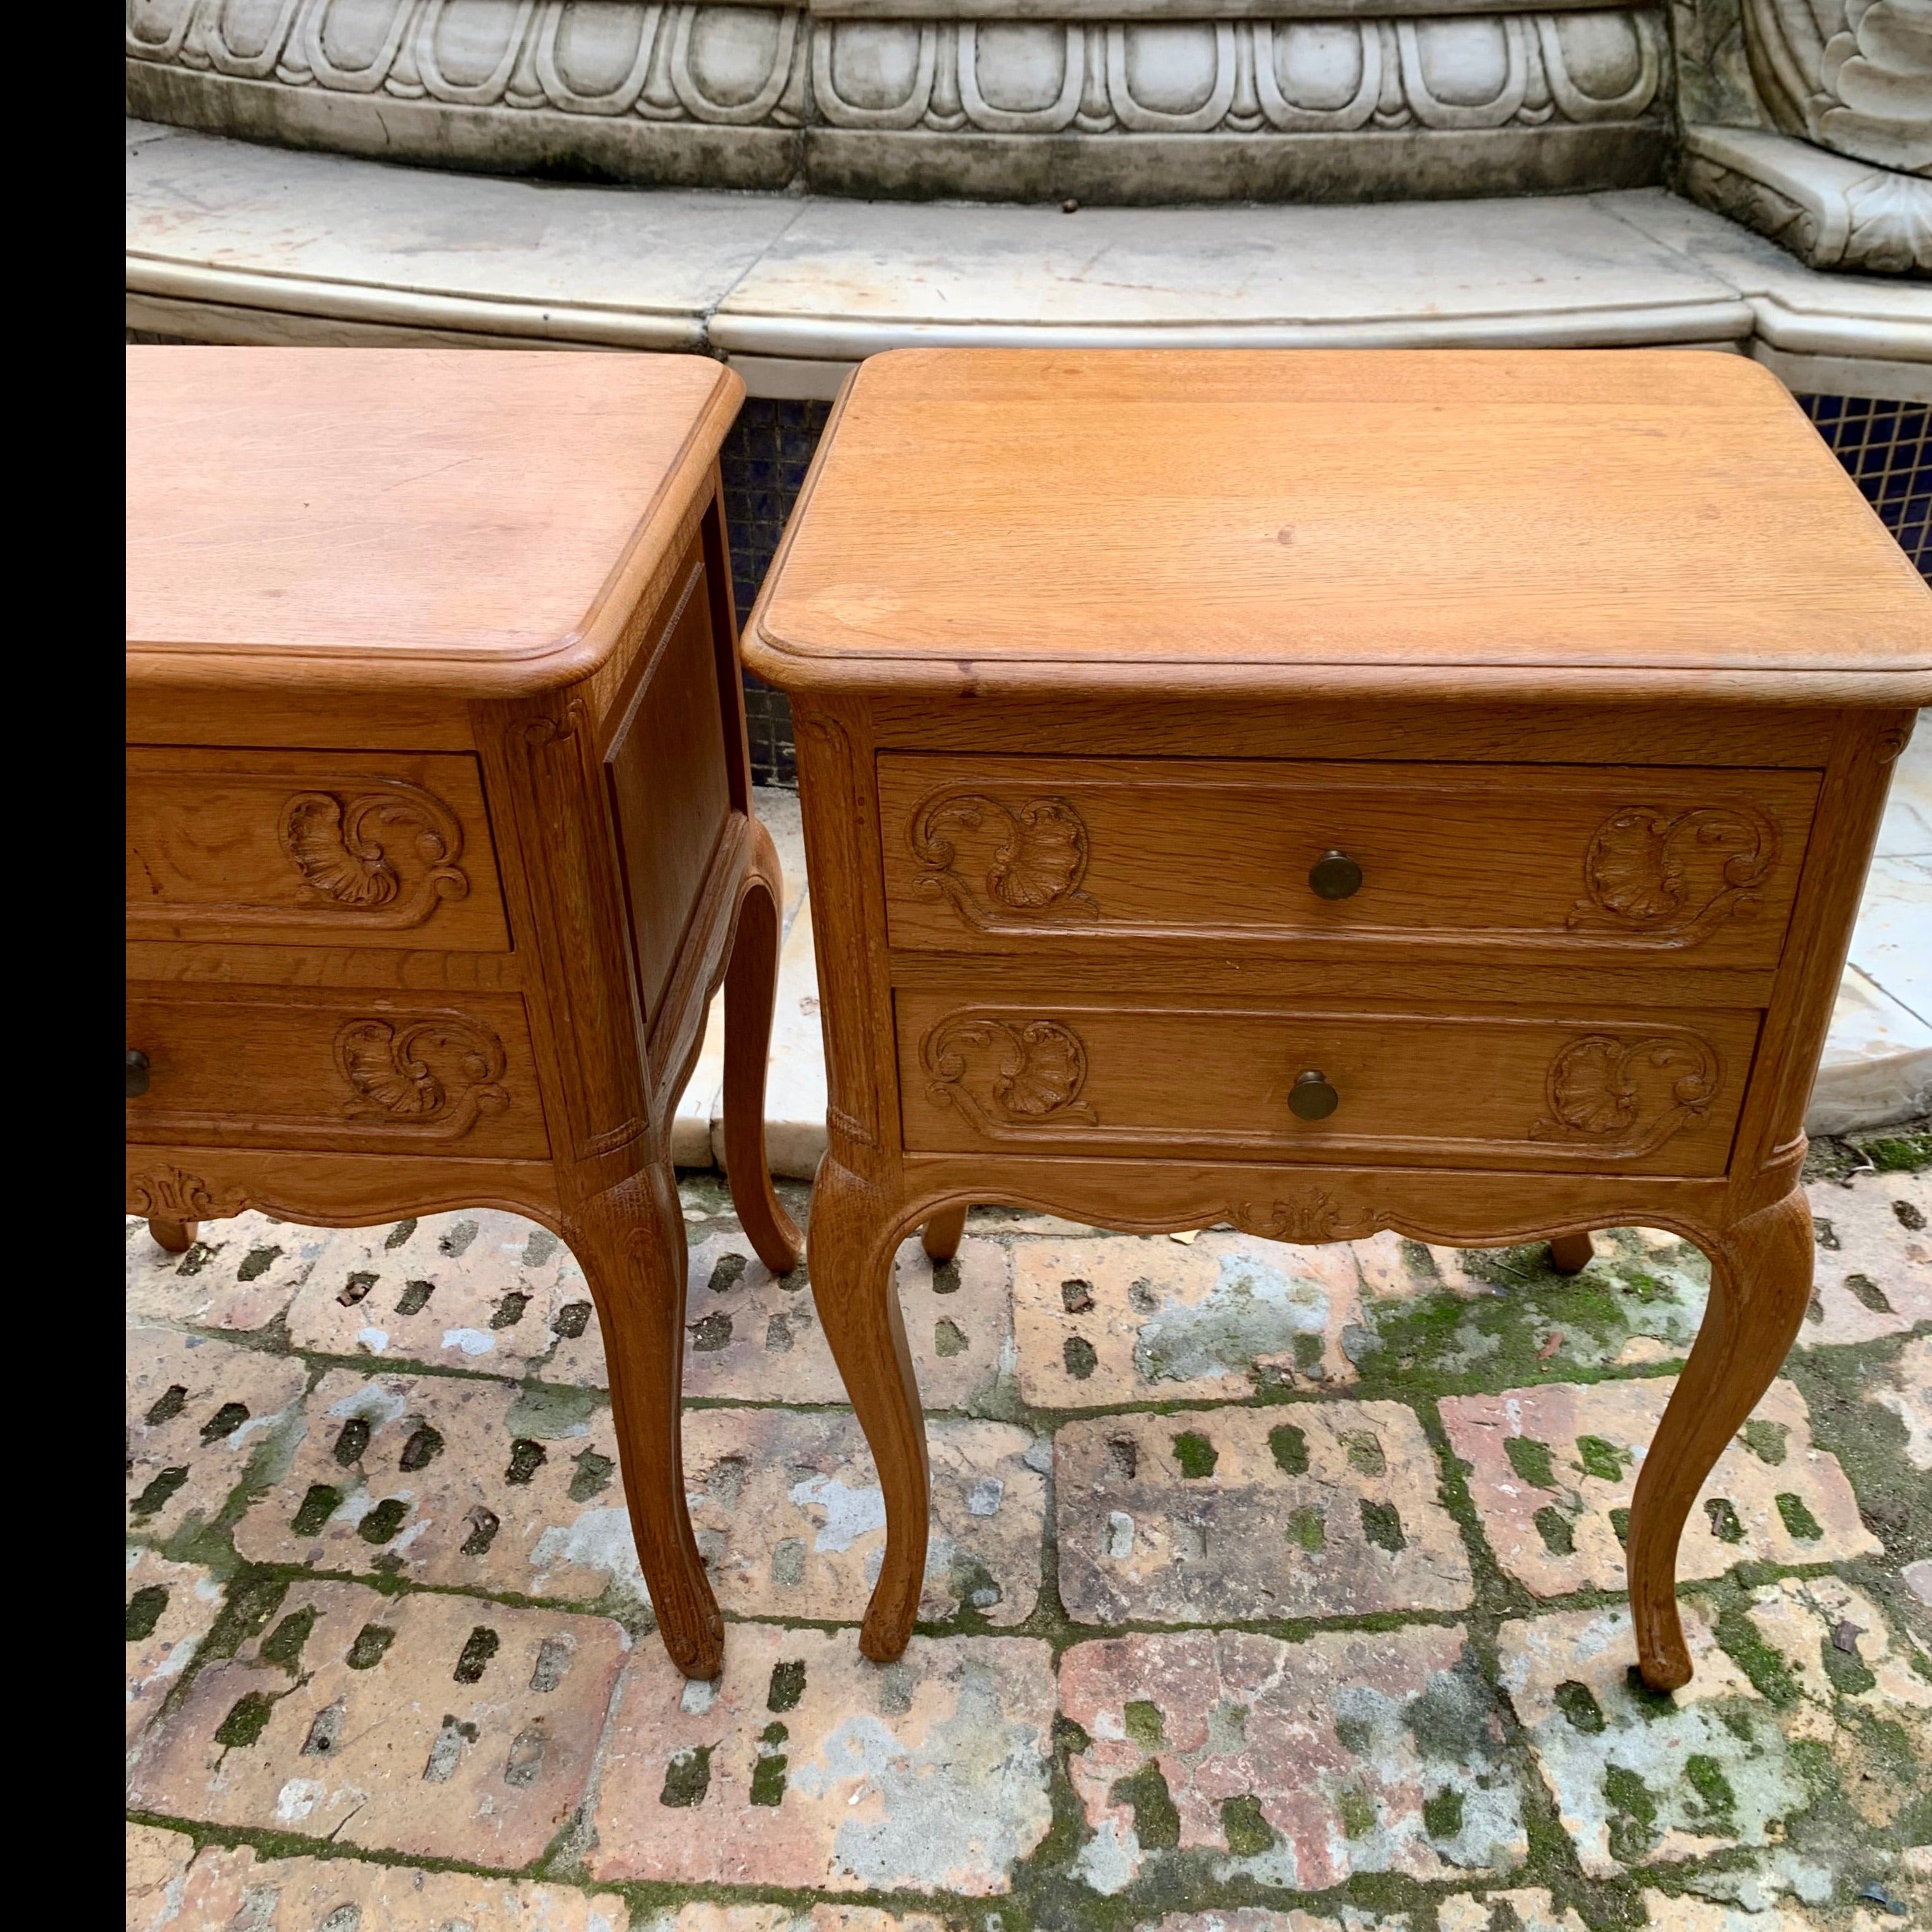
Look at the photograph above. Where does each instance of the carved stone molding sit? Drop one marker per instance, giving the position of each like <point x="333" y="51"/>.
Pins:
<point x="623" y="63"/>
<point x="1676" y="875"/>
<point x="1854" y="76"/>
<point x="1829" y="212"/>
<point x="1034" y="872"/>
<point x="343" y="847"/>
<point x="442" y="1073"/>
<point x="1003" y="1074"/>
<point x="168" y="1194"/>
<point x="1627" y="1097"/>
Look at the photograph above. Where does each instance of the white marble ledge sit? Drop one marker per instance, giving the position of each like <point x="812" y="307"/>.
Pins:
<point x="230" y="242"/>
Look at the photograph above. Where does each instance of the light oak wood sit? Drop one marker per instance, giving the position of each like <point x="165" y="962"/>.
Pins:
<point x="410" y="520"/>
<point x="995" y="854"/>
<point x="941" y="1236"/>
<point x="1600" y="665"/>
<point x="1470" y="524"/>
<point x="258" y="847"/>
<point x="440" y="839"/>
<point x="1571" y="1254"/>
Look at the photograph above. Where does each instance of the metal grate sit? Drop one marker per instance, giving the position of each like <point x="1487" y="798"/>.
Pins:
<point x="1883" y="445"/>
<point x="764" y="462"/>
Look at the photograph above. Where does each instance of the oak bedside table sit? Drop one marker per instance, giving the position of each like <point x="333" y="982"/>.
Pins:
<point x="439" y="830"/>
<point x="1331" y="792"/>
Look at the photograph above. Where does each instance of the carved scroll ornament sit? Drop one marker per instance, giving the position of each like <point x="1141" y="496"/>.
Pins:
<point x="442" y="1072"/>
<point x="345" y="848"/>
<point x="1037" y="1069"/>
<point x="1035" y="870"/>
<point x="1675" y="876"/>
<point x="1628" y="1096"/>
<point x="168" y="1194"/>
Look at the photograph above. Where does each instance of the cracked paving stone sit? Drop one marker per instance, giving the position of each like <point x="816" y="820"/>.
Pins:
<point x="170" y="1608"/>
<point x="1263" y="1918"/>
<point x="445" y="1481"/>
<point x="1123" y="1317"/>
<point x="240" y="1274"/>
<point x="238" y="1888"/>
<point x="792" y="1521"/>
<point x="1534" y="1910"/>
<point x="750" y="1336"/>
<point x="482" y="1289"/>
<point x="436" y="1727"/>
<point x="1554" y="1468"/>
<point x="1296" y="1510"/>
<point x="157" y="1862"/>
<point x="1299" y="1763"/>
<point x="1639" y="1779"/>
<point x="198" y="1411"/>
<point x="1908" y="1396"/>
<point x="1872" y="1273"/>
<point x="708" y="1917"/>
<point x="805" y="1766"/>
<point x="1670" y="1912"/>
<point x="1867" y="1698"/>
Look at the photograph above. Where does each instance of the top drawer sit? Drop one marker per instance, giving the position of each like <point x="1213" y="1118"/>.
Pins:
<point x="998" y="854"/>
<point x="362" y="848"/>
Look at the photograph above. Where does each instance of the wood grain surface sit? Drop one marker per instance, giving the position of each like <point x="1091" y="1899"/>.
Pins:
<point x="439" y="842"/>
<point x="1578" y="522"/>
<point x="1046" y="854"/>
<point x="1595" y="665"/>
<point x="372" y="518"/>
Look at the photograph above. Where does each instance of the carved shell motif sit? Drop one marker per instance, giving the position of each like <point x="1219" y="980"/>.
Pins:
<point x="1629" y="1096"/>
<point x="443" y="1072"/>
<point x="1034" y="871"/>
<point x="1675" y="876"/>
<point x="342" y="848"/>
<point x="1038" y="1068"/>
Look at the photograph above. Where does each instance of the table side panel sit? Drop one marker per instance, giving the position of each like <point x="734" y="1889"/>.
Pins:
<point x="667" y="769"/>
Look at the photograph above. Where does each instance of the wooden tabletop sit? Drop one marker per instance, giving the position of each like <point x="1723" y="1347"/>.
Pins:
<point x="470" y="521"/>
<point x="1563" y="523"/>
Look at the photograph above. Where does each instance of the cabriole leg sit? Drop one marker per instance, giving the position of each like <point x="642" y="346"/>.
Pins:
<point x="176" y="1236"/>
<point x="1571" y="1254"/>
<point x="941" y="1236"/>
<point x="750" y="992"/>
<point x="1760" y="1284"/>
<point x="630" y="1243"/>
<point x="853" y="1241"/>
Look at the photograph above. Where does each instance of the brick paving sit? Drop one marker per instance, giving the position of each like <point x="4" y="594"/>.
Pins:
<point x="1272" y="1589"/>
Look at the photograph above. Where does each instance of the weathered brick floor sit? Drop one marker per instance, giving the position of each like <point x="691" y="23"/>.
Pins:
<point x="1272" y="1590"/>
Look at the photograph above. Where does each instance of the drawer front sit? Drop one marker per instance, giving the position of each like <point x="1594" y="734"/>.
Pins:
<point x="374" y="848"/>
<point x="1007" y="854"/>
<point x="1644" y="1093"/>
<point x="352" y="1072"/>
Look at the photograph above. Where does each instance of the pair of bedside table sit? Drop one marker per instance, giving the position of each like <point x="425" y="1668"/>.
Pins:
<point x="1334" y="792"/>
<point x="439" y="827"/>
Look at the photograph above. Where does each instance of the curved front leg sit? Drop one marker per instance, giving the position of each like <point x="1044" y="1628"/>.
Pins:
<point x="1760" y="1284"/>
<point x="854" y="1235"/>
<point x="175" y="1238"/>
<point x="943" y="1233"/>
<point x="630" y="1243"/>
<point x="750" y="992"/>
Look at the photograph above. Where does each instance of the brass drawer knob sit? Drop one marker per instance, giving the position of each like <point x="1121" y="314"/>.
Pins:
<point x="137" y="1073"/>
<point x="1335" y="876"/>
<point x="1311" y="1098"/>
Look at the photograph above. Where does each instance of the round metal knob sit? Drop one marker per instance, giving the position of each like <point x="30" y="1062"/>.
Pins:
<point x="137" y="1073"/>
<point x="1335" y="876"/>
<point x="1311" y="1098"/>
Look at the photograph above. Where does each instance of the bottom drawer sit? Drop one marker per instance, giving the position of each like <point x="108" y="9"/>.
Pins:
<point x="276" y="1066"/>
<point x="1650" y="1092"/>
